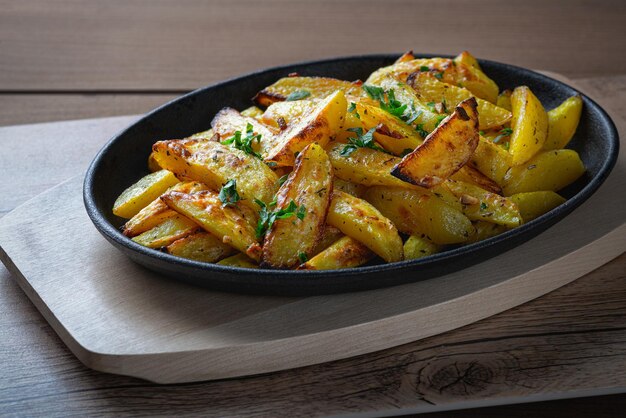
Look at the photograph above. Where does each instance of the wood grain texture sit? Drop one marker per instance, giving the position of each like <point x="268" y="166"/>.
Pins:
<point x="44" y="379"/>
<point x="119" y="44"/>
<point x="17" y="109"/>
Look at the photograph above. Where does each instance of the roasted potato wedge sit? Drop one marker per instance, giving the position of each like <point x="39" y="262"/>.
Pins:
<point x="212" y="163"/>
<point x="470" y="75"/>
<point x="504" y="99"/>
<point x="417" y="247"/>
<point x="296" y="88"/>
<point x="252" y="112"/>
<point x="444" y="151"/>
<point x="317" y="127"/>
<point x="431" y="90"/>
<point x="481" y="205"/>
<point x="200" y="246"/>
<point x="360" y="220"/>
<point x="140" y="194"/>
<point x="549" y="170"/>
<point x="470" y="175"/>
<point x="562" y="123"/>
<point x="534" y="204"/>
<point x="239" y="260"/>
<point x="232" y="224"/>
<point x="354" y="189"/>
<point x="400" y="71"/>
<point x="491" y="160"/>
<point x="344" y="253"/>
<point x="153" y="166"/>
<point x="415" y="213"/>
<point x="485" y="230"/>
<point x="310" y="185"/>
<point x="281" y="115"/>
<point x="167" y="232"/>
<point x="228" y="121"/>
<point x="529" y="123"/>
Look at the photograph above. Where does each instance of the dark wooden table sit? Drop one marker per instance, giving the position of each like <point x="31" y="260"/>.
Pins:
<point x="70" y="60"/>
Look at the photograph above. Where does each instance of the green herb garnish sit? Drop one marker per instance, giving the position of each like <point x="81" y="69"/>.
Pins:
<point x="387" y="100"/>
<point x="438" y="76"/>
<point x="298" y="95"/>
<point x="303" y="257"/>
<point x="352" y="109"/>
<point x="268" y="217"/>
<point x="228" y="194"/>
<point x="483" y="206"/>
<point x="420" y="130"/>
<point x="424" y="68"/>
<point x="406" y="152"/>
<point x="440" y="118"/>
<point x="244" y="143"/>
<point x="360" y="141"/>
<point x="283" y="179"/>
<point x="503" y="133"/>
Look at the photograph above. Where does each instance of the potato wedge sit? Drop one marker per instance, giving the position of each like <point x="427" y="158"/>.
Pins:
<point x="140" y="194"/>
<point x="354" y="189"/>
<point x="360" y="220"/>
<point x="213" y="164"/>
<point x="549" y="170"/>
<point x="153" y="166"/>
<point x="562" y="123"/>
<point x="281" y="115"/>
<point x="238" y="260"/>
<point x="470" y="75"/>
<point x="444" y="151"/>
<point x="417" y="247"/>
<point x="485" y="230"/>
<point x="232" y="224"/>
<point x="200" y="246"/>
<point x="529" y="123"/>
<point x="252" y="112"/>
<point x="491" y="160"/>
<point x="305" y="88"/>
<point x="415" y="213"/>
<point x="504" y="99"/>
<point x="429" y="89"/>
<point x="344" y="253"/>
<point x="167" y="232"/>
<point x="310" y="185"/>
<point x="228" y="121"/>
<point x="317" y="127"/>
<point x="534" y="204"/>
<point x="157" y="211"/>
<point x="407" y="56"/>
<point x="481" y="205"/>
<point x="330" y="235"/>
<point x="443" y="67"/>
<point x="470" y="175"/>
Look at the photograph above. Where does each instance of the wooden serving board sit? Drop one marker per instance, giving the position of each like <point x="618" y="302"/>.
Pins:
<point x="118" y="317"/>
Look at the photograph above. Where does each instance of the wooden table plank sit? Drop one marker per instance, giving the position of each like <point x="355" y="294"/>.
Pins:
<point x="166" y="44"/>
<point x="18" y="109"/>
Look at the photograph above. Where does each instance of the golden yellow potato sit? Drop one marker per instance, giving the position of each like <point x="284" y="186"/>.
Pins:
<point x="167" y="232"/>
<point x="432" y="90"/>
<point x="297" y="88"/>
<point x="417" y="247"/>
<point x="400" y="71"/>
<point x="200" y="246"/>
<point x="481" y="205"/>
<point x="280" y="115"/>
<point x="228" y="122"/>
<point x="344" y="253"/>
<point x="415" y="213"/>
<point x="445" y="151"/>
<point x="491" y="160"/>
<point x="233" y="224"/>
<point x="534" y="204"/>
<point x="486" y="230"/>
<point x="330" y="235"/>
<point x="252" y="112"/>
<point x="317" y="127"/>
<point x="470" y="75"/>
<point x="529" y="123"/>
<point x="238" y="260"/>
<point x="549" y="170"/>
<point x="470" y="175"/>
<point x="310" y="185"/>
<point x="562" y="123"/>
<point x="153" y="166"/>
<point x="214" y="164"/>
<point x="360" y="220"/>
<point x="504" y="99"/>
<point x="140" y="194"/>
<point x="354" y="189"/>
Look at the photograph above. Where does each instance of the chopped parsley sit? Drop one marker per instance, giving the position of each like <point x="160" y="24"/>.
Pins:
<point x="352" y="109"/>
<point x="483" y="206"/>
<point x="438" y="76"/>
<point x="267" y="217"/>
<point x="389" y="103"/>
<point x="244" y="143"/>
<point x="283" y="179"/>
<point x="303" y="257"/>
<point x="420" y="130"/>
<point x="424" y="68"/>
<point x="228" y="194"/>
<point x="439" y="119"/>
<point x="406" y="152"/>
<point x="503" y="133"/>
<point x="298" y="95"/>
<point x="362" y="140"/>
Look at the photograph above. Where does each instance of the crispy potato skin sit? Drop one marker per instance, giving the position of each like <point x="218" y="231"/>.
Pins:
<point x="534" y="204"/>
<point x="167" y="232"/>
<point x="309" y="185"/>
<point x="468" y="174"/>
<point x="157" y="211"/>
<point x="232" y="224"/>
<point x="200" y="246"/>
<point x="317" y="127"/>
<point x="415" y="213"/>
<point x="228" y="121"/>
<point x="360" y="220"/>
<point x="562" y="123"/>
<point x="529" y="123"/>
<point x="483" y="205"/>
<point x="430" y="89"/>
<point x="344" y="253"/>
<point x="548" y="170"/>
<point x="140" y="194"/>
<point x="213" y="164"/>
<point x="318" y="87"/>
<point x="444" y="151"/>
